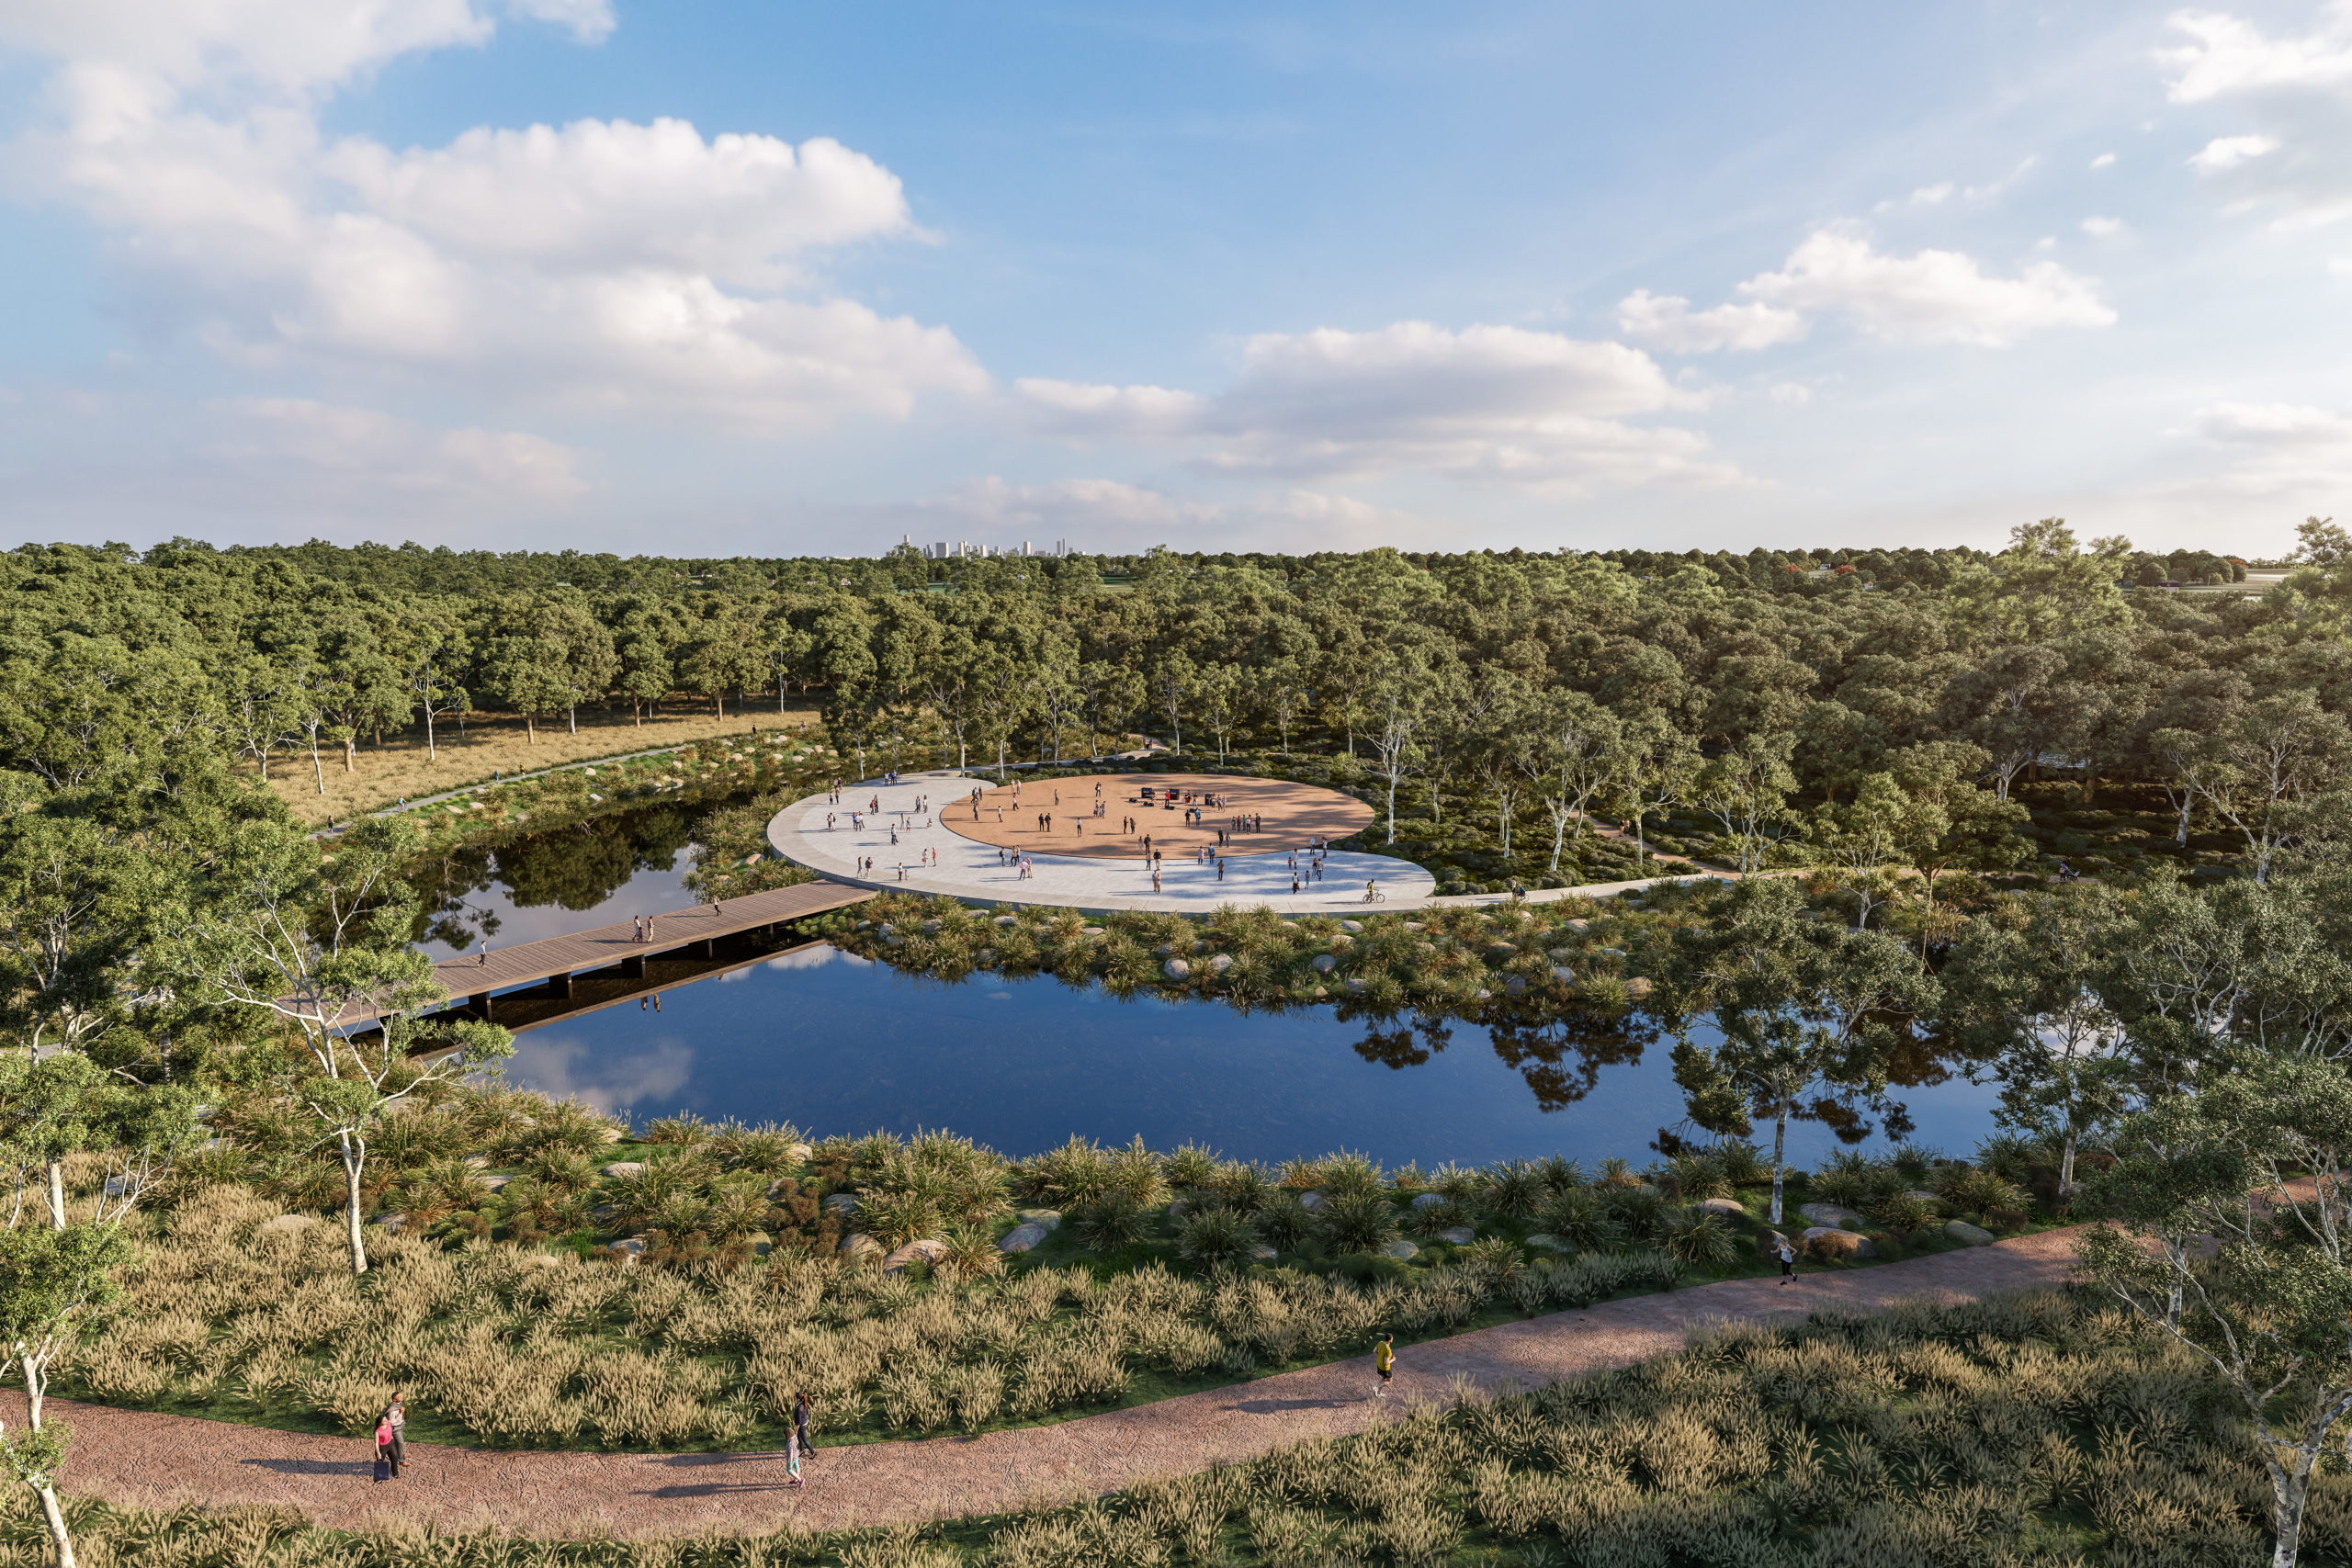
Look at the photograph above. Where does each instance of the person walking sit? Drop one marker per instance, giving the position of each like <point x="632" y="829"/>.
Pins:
<point x="792" y="1462"/>
<point x="483" y="960"/>
<point x="396" y="1417"/>
<point x="801" y="1422"/>
<point x="383" y="1451"/>
<point x="1384" y="1362"/>
<point x="1788" y="1260"/>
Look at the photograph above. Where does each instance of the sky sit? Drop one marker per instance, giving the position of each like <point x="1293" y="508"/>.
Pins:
<point x="768" y="278"/>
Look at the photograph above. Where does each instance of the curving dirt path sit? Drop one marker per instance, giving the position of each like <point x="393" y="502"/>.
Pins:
<point x="136" y="1457"/>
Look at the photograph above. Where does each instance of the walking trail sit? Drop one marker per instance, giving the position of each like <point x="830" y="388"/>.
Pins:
<point x="154" y="1461"/>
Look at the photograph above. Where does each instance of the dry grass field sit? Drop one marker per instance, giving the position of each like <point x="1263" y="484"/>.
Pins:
<point x="495" y="743"/>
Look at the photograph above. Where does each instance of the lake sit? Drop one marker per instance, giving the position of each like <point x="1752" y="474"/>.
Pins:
<point x="836" y="1044"/>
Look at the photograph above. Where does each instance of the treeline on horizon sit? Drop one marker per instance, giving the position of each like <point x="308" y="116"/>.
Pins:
<point x="1605" y="680"/>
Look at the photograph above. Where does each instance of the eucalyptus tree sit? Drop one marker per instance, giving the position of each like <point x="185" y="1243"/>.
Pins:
<point x="1861" y="841"/>
<point x="317" y="943"/>
<point x="1744" y="789"/>
<point x="2030" y="996"/>
<point x="1947" y="822"/>
<point x="1662" y="764"/>
<point x="1576" y="753"/>
<point x="1501" y="748"/>
<point x="2267" y="767"/>
<point x="2231" y="1234"/>
<point x="1283" y="693"/>
<point x="1798" y="1006"/>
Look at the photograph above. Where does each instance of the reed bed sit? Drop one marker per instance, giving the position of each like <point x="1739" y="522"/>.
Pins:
<point x="2037" y="1430"/>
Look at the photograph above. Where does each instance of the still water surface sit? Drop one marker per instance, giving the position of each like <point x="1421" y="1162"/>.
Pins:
<point x="835" y="1044"/>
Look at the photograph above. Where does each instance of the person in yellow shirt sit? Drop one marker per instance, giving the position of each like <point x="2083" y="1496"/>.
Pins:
<point x="1383" y="1361"/>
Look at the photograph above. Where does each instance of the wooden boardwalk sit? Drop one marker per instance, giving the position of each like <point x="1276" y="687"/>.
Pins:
<point x="558" y="958"/>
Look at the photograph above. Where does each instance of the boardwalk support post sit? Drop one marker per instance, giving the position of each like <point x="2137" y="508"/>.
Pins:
<point x="481" y="1000"/>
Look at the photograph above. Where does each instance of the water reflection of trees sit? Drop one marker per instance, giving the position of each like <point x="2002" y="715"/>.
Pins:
<point x="1561" y="1057"/>
<point x="576" y="867"/>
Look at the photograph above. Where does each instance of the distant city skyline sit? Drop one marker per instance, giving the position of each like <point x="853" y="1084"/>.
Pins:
<point x="777" y="278"/>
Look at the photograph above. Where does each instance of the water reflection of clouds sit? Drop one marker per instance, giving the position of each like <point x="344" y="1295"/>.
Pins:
<point x="812" y="957"/>
<point x="600" y="1077"/>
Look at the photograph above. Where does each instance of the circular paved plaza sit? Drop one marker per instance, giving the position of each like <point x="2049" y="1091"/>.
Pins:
<point x="916" y="836"/>
<point x="1180" y="814"/>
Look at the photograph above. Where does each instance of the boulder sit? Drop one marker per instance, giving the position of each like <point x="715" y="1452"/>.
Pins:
<point x="841" y="1203"/>
<point x="496" y="1183"/>
<point x="1840" y="1243"/>
<point x="1314" y="1202"/>
<point x="1264" y="1254"/>
<point x="1561" y="954"/>
<point x="1006" y="920"/>
<point x="611" y="1134"/>
<point x="1923" y="1196"/>
<point x="929" y="1251"/>
<point x="1355" y="987"/>
<point x="289" y="1223"/>
<point x="1563" y="975"/>
<point x="1324" y="963"/>
<point x="1428" y="1201"/>
<point x="1091" y="931"/>
<point x="1049" y="1218"/>
<point x="1515" y="985"/>
<point x="799" y="1154"/>
<point x="1400" y="1250"/>
<point x="1022" y="1237"/>
<point x="117" y="1186"/>
<point x="1354" y="928"/>
<point x="1498" y="952"/>
<point x="1220" y="964"/>
<point x="477" y="1162"/>
<point x="857" y="1245"/>
<point x="1972" y="1235"/>
<point x="1728" y="1208"/>
<point x="1177" y="969"/>
<point x="1639" y="988"/>
<point x="621" y="1170"/>
<point x="1460" y="1236"/>
<point x="1579" y="924"/>
<point x="931" y="928"/>
<point x="1834" y="1215"/>
<point x="394" y="1222"/>
<point x="629" y="1250"/>
<point x="1550" y="1243"/>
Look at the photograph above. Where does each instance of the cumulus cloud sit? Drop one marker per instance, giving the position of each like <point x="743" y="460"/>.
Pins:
<point x="1932" y="296"/>
<point x="2226" y="153"/>
<point x="602" y="264"/>
<point x="2104" y="161"/>
<point x="357" y="447"/>
<point x="2099" y="228"/>
<point x="2297" y="88"/>
<point x="2225" y="56"/>
<point x="1494" y="403"/>
<point x="1667" y="321"/>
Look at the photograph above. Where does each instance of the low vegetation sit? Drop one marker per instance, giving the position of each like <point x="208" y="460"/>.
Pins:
<point x="2031" y="1431"/>
<point x="676" y="1290"/>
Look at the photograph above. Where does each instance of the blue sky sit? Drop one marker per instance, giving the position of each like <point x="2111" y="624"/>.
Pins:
<point x="779" y="278"/>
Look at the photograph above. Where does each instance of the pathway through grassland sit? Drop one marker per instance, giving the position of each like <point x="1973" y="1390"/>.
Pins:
<point x="136" y="1457"/>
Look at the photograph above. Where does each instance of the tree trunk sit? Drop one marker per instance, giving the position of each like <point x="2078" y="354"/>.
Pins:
<point x="637" y="713"/>
<point x="430" y="754"/>
<point x="52" y="1513"/>
<point x="571" y="717"/>
<point x="352" y="1156"/>
<point x="2066" y="1165"/>
<point x="351" y="750"/>
<point x="317" y="769"/>
<point x="2289" y="1488"/>
<point x="530" y="731"/>
<point x="719" y="701"/>
<point x="1779" y="1170"/>
<point x="53" y="1177"/>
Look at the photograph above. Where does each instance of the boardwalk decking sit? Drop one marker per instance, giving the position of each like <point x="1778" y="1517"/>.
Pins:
<point x="601" y="946"/>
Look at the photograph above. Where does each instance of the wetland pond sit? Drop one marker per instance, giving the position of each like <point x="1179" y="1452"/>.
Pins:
<point x="833" y="1043"/>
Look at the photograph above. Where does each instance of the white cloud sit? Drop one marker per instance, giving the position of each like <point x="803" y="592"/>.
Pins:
<point x="2227" y="56"/>
<point x="2339" y="266"/>
<point x="356" y="449"/>
<point x="1668" y="321"/>
<point x="1494" y="403"/>
<point x="2104" y="160"/>
<point x="1099" y="515"/>
<point x="1932" y="296"/>
<point x="2226" y="153"/>
<point x="2100" y="228"/>
<point x="1791" y="394"/>
<point x="1933" y="195"/>
<point x="603" y="265"/>
<point x="2280" y="449"/>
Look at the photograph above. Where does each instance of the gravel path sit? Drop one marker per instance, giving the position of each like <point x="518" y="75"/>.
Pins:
<point x="135" y="1457"/>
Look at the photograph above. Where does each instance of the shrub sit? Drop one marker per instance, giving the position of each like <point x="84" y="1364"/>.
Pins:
<point x="1513" y="1188"/>
<point x="1216" y="1237"/>
<point x="1192" y="1166"/>
<point x="1359" y="1220"/>
<point x="1244" y="1187"/>
<point x="1903" y="1213"/>
<point x="1704" y="1241"/>
<point x="1111" y="1220"/>
<point x="1284" y="1222"/>
<point x="1742" y="1162"/>
<point x="1576" y="1216"/>
<point x="1068" y="1177"/>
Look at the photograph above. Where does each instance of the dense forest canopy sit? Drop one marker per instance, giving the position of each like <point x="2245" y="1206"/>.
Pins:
<point x="1821" y="670"/>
